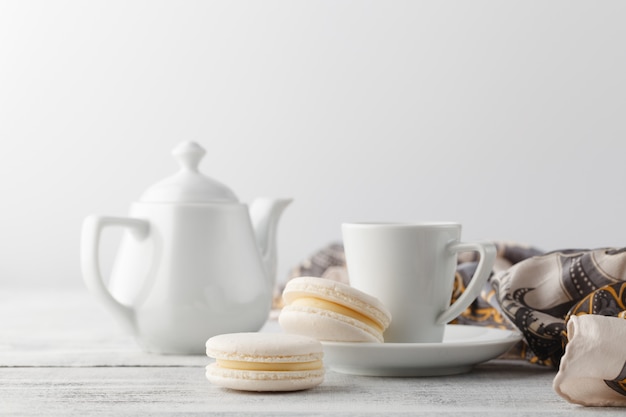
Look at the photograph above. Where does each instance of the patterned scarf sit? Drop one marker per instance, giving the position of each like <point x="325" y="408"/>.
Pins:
<point x="530" y="290"/>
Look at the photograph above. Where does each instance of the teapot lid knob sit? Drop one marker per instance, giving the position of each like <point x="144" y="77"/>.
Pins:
<point x="189" y="154"/>
<point x="188" y="185"/>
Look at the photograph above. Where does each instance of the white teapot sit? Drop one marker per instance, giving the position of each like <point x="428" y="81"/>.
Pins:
<point x="193" y="261"/>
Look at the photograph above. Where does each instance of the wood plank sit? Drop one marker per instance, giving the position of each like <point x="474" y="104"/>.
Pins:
<point x="496" y="388"/>
<point x="69" y="328"/>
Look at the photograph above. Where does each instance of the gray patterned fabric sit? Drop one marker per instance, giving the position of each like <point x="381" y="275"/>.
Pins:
<point x="539" y="294"/>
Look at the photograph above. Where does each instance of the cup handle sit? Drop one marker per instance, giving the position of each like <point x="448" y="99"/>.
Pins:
<point x="487" y="253"/>
<point x="90" y="260"/>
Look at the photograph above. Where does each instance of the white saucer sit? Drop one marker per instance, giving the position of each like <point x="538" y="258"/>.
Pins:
<point x="462" y="347"/>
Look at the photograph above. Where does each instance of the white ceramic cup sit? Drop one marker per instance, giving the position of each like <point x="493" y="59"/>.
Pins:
<point x="410" y="267"/>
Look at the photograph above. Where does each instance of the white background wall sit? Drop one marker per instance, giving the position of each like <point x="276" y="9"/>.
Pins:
<point x="508" y="116"/>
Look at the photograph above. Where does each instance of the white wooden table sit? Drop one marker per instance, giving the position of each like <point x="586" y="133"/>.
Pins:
<point x="62" y="354"/>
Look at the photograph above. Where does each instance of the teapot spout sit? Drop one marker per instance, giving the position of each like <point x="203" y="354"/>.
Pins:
<point x="265" y="213"/>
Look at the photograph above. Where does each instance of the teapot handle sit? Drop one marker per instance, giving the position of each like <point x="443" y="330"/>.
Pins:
<point x="90" y="260"/>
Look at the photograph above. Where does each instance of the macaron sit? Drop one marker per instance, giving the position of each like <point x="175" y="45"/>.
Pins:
<point x="265" y="361"/>
<point x="332" y="311"/>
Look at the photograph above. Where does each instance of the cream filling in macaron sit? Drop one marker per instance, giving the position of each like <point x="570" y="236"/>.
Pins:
<point x="270" y="366"/>
<point x="336" y="308"/>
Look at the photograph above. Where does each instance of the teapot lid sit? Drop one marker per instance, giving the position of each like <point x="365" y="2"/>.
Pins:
<point x="188" y="185"/>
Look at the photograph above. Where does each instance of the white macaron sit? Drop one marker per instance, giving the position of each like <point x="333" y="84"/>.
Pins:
<point x="332" y="311"/>
<point x="265" y="361"/>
